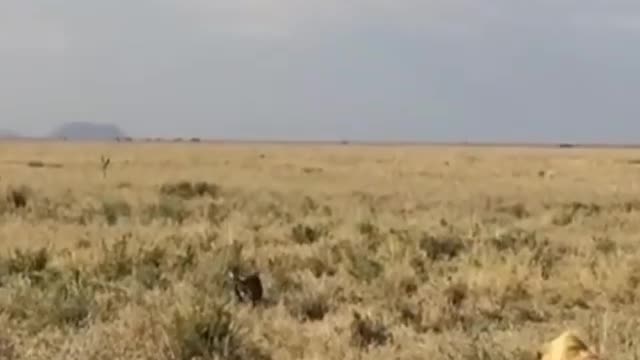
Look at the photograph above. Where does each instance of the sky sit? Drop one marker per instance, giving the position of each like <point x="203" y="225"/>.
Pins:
<point x="414" y="70"/>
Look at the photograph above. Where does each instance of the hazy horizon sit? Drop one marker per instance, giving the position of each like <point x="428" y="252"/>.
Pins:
<point x="412" y="70"/>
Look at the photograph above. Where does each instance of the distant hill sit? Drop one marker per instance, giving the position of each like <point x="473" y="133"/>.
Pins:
<point x="8" y="134"/>
<point x="88" y="131"/>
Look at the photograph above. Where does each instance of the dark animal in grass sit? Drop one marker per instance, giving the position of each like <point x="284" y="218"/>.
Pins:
<point x="247" y="288"/>
<point x="18" y="198"/>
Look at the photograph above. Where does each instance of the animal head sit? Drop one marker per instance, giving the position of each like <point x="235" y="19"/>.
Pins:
<point x="567" y="346"/>
<point x="233" y="273"/>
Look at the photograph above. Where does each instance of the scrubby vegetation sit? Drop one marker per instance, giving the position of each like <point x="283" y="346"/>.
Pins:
<point x="376" y="253"/>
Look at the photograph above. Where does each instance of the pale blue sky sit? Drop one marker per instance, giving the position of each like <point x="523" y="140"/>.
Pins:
<point x="476" y="70"/>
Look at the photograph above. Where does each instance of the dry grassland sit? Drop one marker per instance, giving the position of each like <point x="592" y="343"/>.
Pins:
<point x="365" y="252"/>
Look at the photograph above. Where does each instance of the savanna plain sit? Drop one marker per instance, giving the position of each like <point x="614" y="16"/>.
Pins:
<point x="365" y="252"/>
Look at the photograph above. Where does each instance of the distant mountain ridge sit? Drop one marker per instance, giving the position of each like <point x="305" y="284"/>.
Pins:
<point x="88" y="131"/>
<point x="9" y="134"/>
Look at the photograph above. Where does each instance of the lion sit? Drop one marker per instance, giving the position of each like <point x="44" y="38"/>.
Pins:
<point x="567" y="346"/>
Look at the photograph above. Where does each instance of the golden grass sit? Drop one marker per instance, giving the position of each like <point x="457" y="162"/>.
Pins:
<point x="365" y="252"/>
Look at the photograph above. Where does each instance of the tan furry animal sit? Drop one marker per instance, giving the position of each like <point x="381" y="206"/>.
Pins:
<point x="567" y="346"/>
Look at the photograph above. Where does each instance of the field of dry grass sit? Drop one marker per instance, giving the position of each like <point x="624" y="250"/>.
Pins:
<point x="365" y="252"/>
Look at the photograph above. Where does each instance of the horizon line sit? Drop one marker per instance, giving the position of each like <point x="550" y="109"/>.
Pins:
<point x="343" y="142"/>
